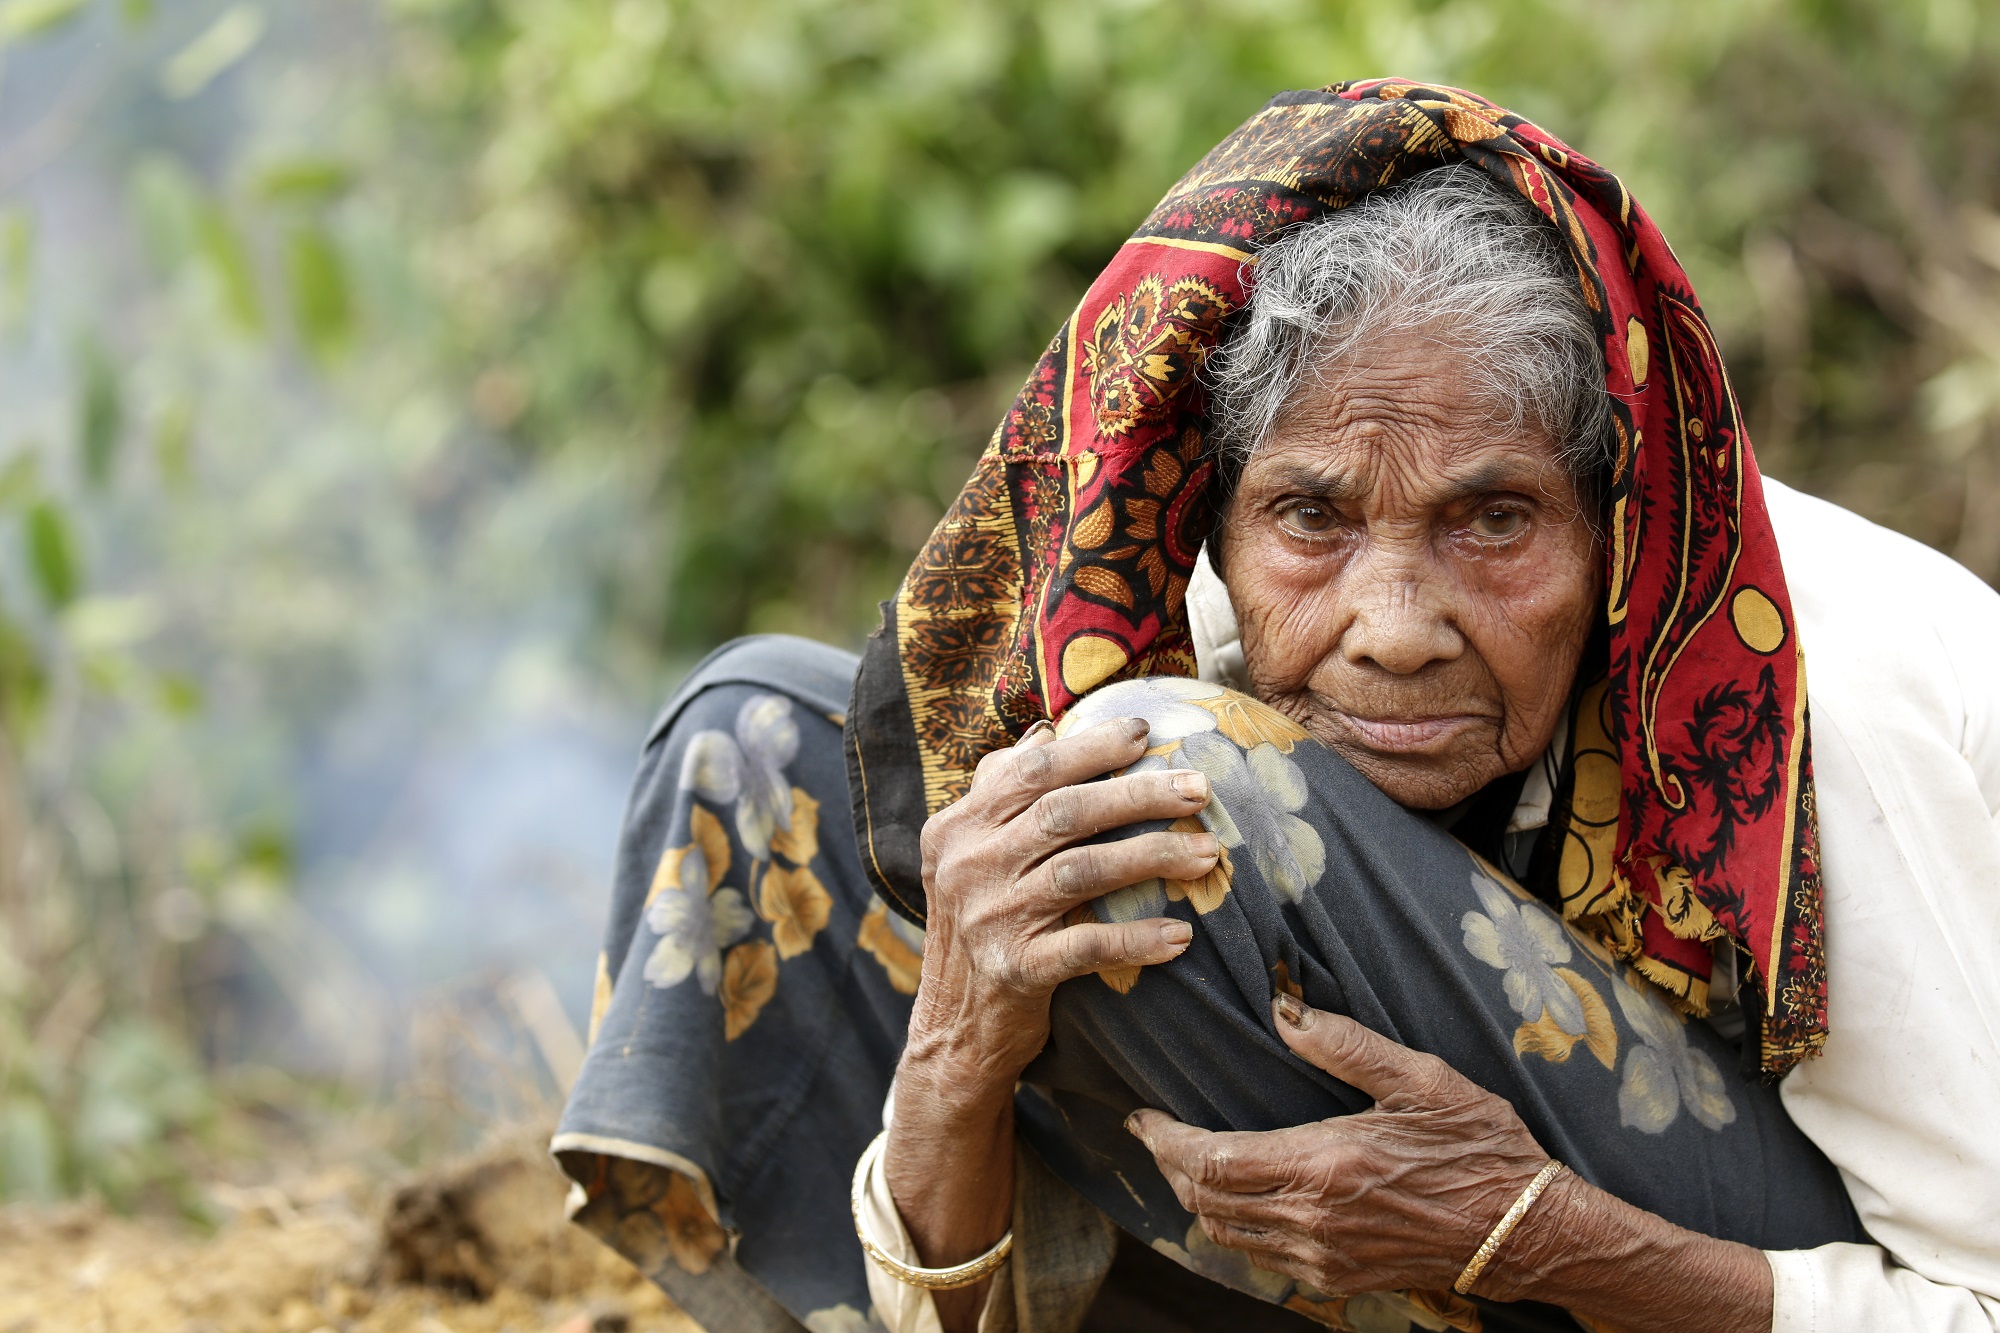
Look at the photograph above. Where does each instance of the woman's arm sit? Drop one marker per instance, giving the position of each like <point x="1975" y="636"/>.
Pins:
<point x="1002" y="872"/>
<point x="1400" y="1196"/>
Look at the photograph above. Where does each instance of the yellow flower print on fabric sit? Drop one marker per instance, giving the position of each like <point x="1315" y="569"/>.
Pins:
<point x="896" y="944"/>
<point x="708" y="841"/>
<point x="1250" y="723"/>
<point x="663" y="1218"/>
<point x="749" y="980"/>
<point x="1204" y="894"/>
<point x="796" y="904"/>
<point x="800" y="842"/>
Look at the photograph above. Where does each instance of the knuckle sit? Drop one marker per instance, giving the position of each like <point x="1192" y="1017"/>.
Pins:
<point x="1031" y="768"/>
<point x="1075" y="873"/>
<point x="1056" y="813"/>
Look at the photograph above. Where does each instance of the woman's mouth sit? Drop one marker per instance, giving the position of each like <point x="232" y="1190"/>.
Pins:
<point x="1411" y="734"/>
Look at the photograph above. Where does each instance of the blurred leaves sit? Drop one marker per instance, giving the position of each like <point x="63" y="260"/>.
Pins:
<point x="101" y="414"/>
<point x="28" y="18"/>
<point x="222" y="44"/>
<point x="52" y="554"/>
<point x="319" y="291"/>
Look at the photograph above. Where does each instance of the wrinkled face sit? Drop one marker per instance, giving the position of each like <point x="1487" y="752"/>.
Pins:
<point x="1414" y="585"/>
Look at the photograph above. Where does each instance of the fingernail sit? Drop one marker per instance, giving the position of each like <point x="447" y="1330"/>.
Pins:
<point x="1177" y="932"/>
<point x="1291" y="1009"/>
<point x="1132" y="1126"/>
<point x="1139" y="727"/>
<point x="1202" y="845"/>
<point x="1193" y="786"/>
<point x="1041" y="725"/>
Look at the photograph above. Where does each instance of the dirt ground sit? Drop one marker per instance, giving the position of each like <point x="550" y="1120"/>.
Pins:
<point x="476" y="1246"/>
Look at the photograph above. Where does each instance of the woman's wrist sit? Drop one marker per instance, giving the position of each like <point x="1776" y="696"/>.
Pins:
<point x="1589" y="1252"/>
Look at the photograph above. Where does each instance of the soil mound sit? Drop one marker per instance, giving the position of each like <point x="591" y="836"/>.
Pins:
<point x="478" y="1245"/>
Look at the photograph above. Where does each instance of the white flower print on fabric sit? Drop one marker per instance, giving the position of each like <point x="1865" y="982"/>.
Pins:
<point x="1663" y="1073"/>
<point x="1526" y="942"/>
<point x="1253" y="797"/>
<point x="1166" y="702"/>
<point x="694" y="926"/>
<point x="748" y="768"/>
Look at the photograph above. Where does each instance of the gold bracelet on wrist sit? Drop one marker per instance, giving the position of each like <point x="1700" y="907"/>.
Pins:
<point x="1505" y="1227"/>
<point x="930" y="1279"/>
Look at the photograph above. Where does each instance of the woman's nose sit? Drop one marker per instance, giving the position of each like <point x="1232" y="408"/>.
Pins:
<point x="1400" y="617"/>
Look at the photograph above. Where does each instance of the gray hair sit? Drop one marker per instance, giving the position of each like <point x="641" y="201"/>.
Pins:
<point x="1451" y="254"/>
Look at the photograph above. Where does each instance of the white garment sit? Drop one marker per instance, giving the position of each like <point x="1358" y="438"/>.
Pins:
<point x="1903" y="685"/>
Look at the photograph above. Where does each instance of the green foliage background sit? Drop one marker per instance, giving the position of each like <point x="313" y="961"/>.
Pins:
<point x="656" y="321"/>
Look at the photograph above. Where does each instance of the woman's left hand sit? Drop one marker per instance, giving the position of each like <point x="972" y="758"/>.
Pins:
<point x="1398" y="1196"/>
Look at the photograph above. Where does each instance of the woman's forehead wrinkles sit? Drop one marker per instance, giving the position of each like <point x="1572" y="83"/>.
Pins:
<point x="1442" y="476"/>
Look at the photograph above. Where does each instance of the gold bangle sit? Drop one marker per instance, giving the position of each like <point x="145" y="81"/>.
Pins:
<point x="930" y="1279"/>
<point x="1505" y="1227"/>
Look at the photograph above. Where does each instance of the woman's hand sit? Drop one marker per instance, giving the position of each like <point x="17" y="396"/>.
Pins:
<point x="1400" y="1196"/>
<point x="1003" y="871"/>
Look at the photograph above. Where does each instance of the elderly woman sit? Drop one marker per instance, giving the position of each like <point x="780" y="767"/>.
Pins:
<point x="1484" y="936"/>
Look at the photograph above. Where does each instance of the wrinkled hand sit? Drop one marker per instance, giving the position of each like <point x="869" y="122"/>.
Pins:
<point x="1398" y="1196"/>
<point x="1002" y="871"/>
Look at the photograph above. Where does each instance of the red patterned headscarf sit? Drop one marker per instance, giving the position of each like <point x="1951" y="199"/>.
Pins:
<point x="1064" y="563"/>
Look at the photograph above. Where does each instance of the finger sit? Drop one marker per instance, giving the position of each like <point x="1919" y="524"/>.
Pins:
<point x="1022" y="773"/>
<point x="1357" y="1055"/>
<point x="1258" y="1209"/>
<point x="1265" y="1248"/>
<point x="1051" y="959"/>
<point x="1095" y="869"/>
<point x="1065" y="814"/>
<point x="1239" y="1163"/>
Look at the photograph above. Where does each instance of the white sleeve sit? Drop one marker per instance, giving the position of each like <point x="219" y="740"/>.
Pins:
<point x="1900" y="646"/>
<point x="1838" y="1287"/>
<point x="902" y="1308"/>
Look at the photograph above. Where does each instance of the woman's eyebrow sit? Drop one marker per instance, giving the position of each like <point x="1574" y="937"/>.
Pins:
<point x="1329" y="484"/>
<point x="1495" y="475"/>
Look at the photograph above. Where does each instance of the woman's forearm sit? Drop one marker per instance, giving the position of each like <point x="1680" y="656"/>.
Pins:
<point x="1600" y="1257"/>
<point x="950" y="1160"/>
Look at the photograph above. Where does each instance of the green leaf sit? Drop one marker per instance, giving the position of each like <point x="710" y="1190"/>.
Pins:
<point x="207" y="57"/>
<point x="52" y="554"/>
<point x="135" y="12"/>
<point x="17" y="260"/>
<point x="101" y="414"/>
<point x="306" y="180"/>
<point x="23" y="680"/>
<point x="229" y="260"/>
<point x="30" y="18"/>
<point x="320" y="302"/>
<point x="21" y="478"/>
<point x="173" y="443"/>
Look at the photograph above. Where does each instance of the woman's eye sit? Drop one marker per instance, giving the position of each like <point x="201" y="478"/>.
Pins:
<point x="1498" y="522"/>
<point x="1307" y="517"/>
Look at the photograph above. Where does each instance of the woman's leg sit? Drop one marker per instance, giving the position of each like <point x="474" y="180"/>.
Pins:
<point x="748" y="976"/>
<point x="1370" y="910"/>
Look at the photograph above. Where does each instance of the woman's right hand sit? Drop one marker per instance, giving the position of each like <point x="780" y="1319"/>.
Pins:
<point x="1003" y="869"/>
